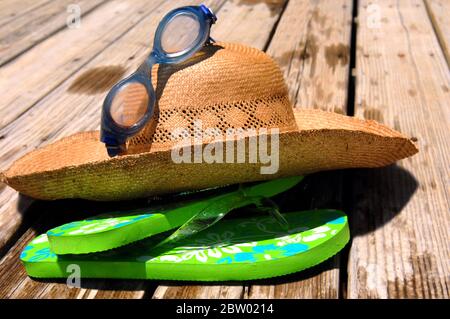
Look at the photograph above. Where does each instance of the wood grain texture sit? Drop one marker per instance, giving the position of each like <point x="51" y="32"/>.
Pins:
<point x="177" y="291"/>
<point x="41" y="69"/>
<point x="246" y="23"/>
<point x="400" y="220"/>
<point x="12" y="9"/>
<point x="312" y="45"/>
<point x="25" y="30"/>
<point x="12" y="215"/>
<point x="321" y="282"/>
<point x="315" y="61"/>
<point x="438" y="11"/>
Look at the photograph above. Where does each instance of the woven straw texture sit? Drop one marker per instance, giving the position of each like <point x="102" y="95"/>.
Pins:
<point x="226" y="86"/>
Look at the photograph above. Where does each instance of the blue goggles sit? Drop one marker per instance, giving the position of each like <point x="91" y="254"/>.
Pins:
<point x="129" y="105"/>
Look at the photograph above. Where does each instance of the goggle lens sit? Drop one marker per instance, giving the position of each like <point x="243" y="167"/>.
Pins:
<point x="180" y="34"/>
<point x="130" y="104"/>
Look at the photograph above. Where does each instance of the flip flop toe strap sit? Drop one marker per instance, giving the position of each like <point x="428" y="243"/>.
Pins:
<point x="218" y="209"/>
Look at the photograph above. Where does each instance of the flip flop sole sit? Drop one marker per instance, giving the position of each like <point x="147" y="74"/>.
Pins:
<point x="241" y="249"/>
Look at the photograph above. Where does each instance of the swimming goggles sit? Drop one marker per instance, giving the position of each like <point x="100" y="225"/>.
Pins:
<point x="130" y="103"/>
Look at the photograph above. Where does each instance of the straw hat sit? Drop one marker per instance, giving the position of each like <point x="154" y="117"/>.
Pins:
<point x="226" y="86"/>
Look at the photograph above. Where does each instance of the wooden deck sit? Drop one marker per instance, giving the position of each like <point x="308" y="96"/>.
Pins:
<point x="386" y="60"/>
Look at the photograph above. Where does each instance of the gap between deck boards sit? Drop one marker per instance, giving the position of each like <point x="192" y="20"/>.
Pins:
<point x="347" y="175"/>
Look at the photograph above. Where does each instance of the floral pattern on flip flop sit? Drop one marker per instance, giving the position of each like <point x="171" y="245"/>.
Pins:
<point x="95" y="225"/>
<point x="229" y="248"/>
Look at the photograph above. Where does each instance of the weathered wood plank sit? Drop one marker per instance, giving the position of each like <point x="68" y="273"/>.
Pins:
<point x="438" y="10"/>
<point x="311" y="44"/>
<point x="206" y="291"/>
<point x="12" y="9"/>
<point x="400" y="219"/>
<point x="12" y="215"/>
<point x="315" y="61"/>
<point x="320" y="282"/>
<point x="41" y="69"/>
<point x="246" y="23"/>
<point x="25" y="30"/>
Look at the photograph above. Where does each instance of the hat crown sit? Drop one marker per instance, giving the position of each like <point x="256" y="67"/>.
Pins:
<point x="224" y="87"/>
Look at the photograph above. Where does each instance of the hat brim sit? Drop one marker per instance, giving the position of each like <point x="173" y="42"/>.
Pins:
<point x="78" y="166"/>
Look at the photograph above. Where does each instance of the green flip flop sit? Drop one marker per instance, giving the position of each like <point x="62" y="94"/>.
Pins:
<point x="118" y="229"/>
<point x="235" y="249"/>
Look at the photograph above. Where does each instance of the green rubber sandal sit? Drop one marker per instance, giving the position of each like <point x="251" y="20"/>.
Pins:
<point x="118" y="229"/>
<point x="239" y="249"/>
